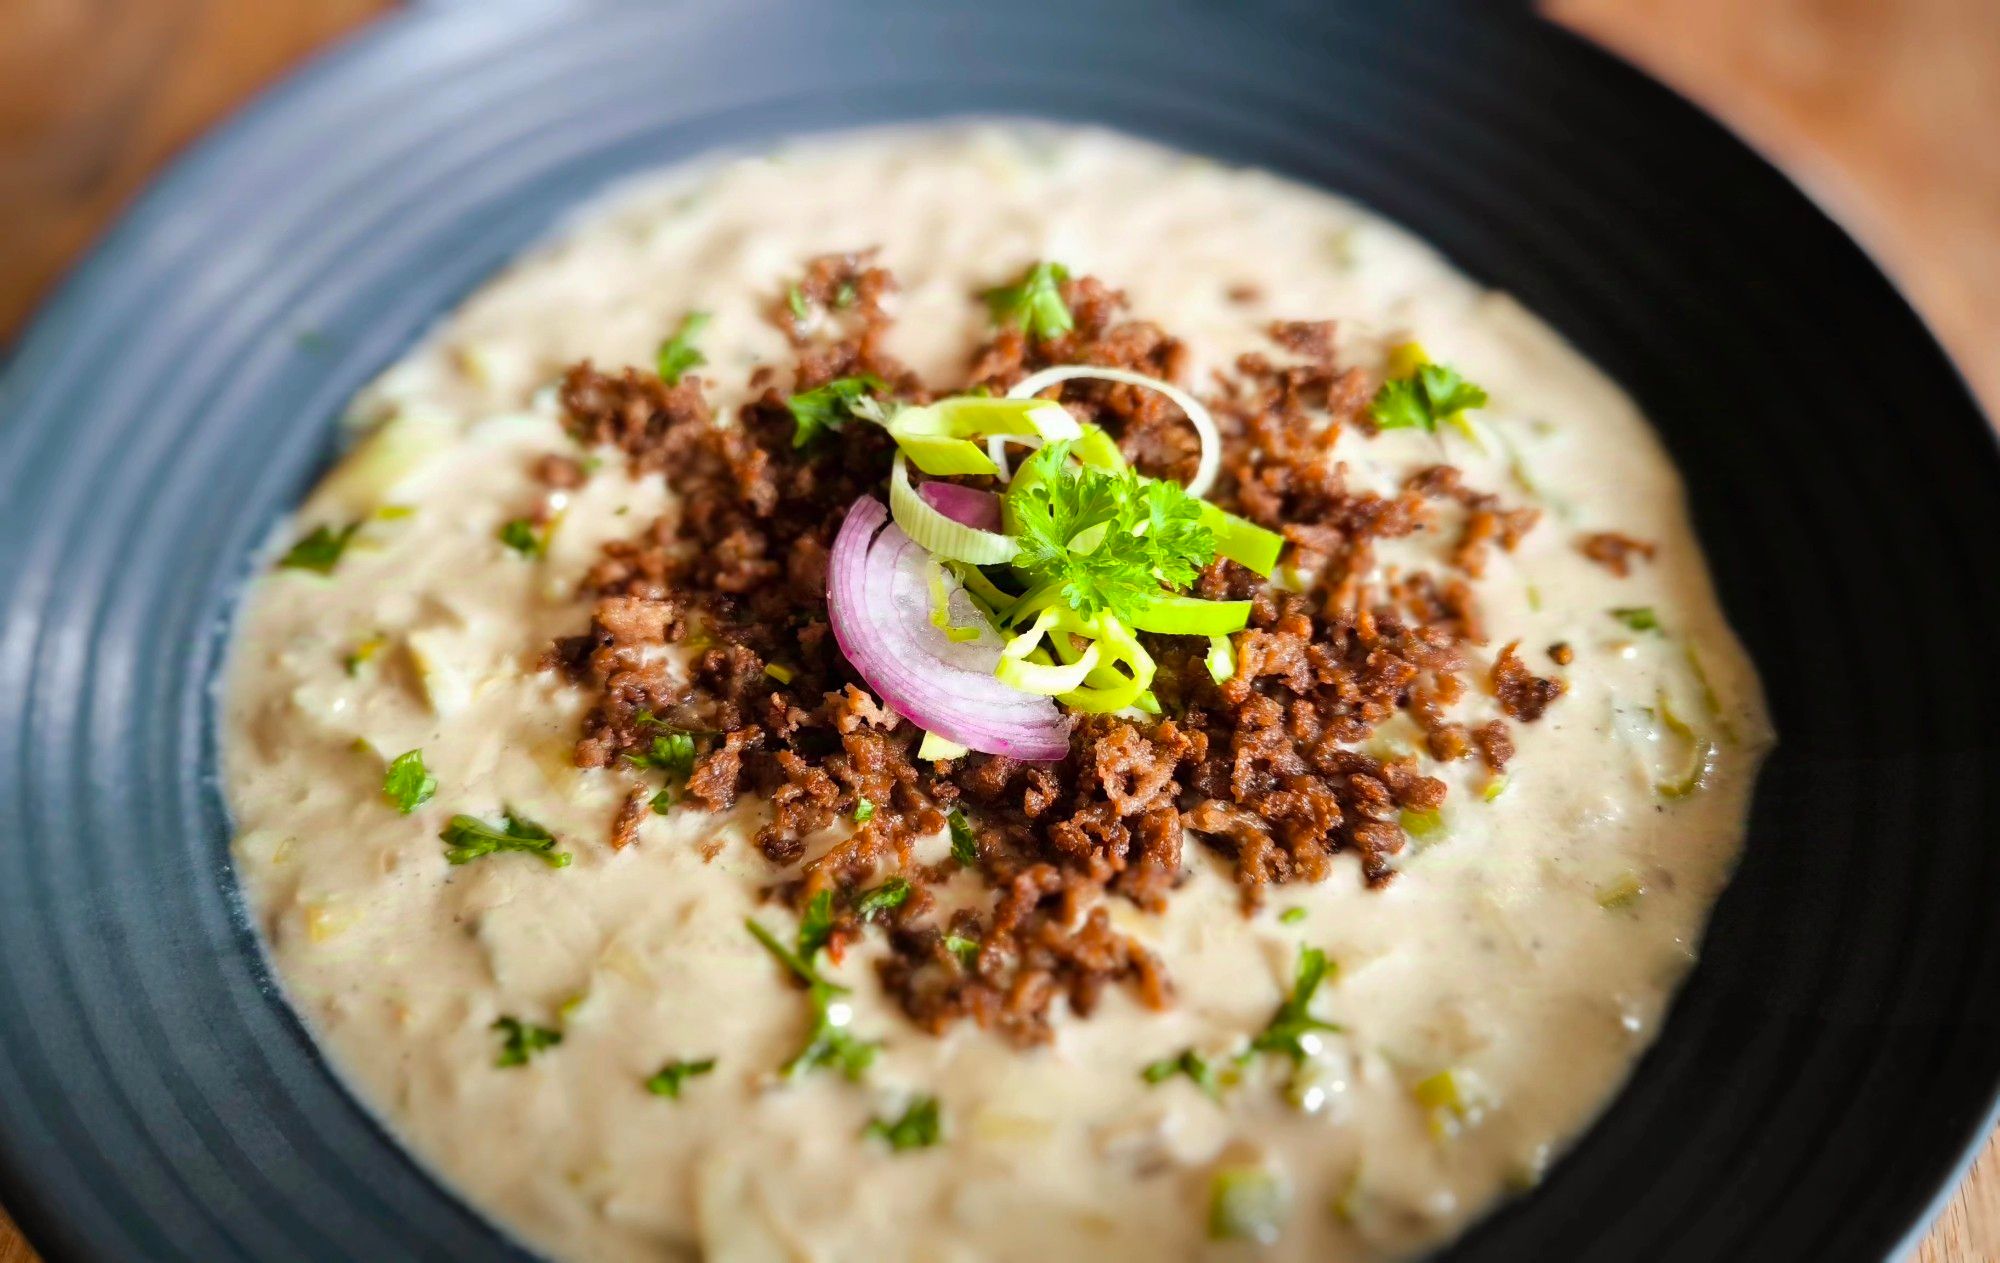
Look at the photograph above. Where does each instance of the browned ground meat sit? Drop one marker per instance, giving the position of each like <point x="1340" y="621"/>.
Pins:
<point x="1265" y="770"/>
<point x="1614" y="551"/>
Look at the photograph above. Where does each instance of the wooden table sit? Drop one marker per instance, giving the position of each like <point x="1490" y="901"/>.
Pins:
<point x="1885" y="109"/>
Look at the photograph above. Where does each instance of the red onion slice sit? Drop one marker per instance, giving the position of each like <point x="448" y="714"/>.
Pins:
<point x="878" y="601"/>
<point x="964" y="505"/>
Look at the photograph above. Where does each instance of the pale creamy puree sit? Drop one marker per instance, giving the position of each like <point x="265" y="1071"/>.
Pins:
<point x="1493" y="955"/>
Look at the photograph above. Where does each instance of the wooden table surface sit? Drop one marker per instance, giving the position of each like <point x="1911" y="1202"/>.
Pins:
<point x="1884" y="108"/>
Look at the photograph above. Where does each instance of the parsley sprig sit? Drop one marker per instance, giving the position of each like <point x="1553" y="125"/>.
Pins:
<point x="1207" y="1076"/>
<point x="1429" y="395"/>
<point x="1292" y="1031"/>
<point x="1108" y="538"/>
<point x="468" y="838"/>
<point x="678" y="354"/>
<point x="1034" y="304"/>
<point x="825" y="409"/>
<point x="829" y="1045"/>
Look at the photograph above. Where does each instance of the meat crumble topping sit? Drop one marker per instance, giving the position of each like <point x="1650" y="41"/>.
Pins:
<point x="1278" y="770"/>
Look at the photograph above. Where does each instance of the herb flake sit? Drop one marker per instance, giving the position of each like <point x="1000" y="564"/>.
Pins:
<point x="1429" y="395"/>
<point x="825" y="409"/>
<point x="919" y="1127"/>
<point x="407" y="783"/>
<point x="1294" y="1030"/>
<point x="1034" y="304"/>
<point x="964" y="842"/>
<point x="1640" y="618"/>
<point x="320" y="551"/>
<point x="891" y="894"/>
<point x="670" y="1078"/>
<point x="520" y="1041"/>
<point x="524" y="537"/>
<point x="468" y="838"/>
<point x="678" y="354"/>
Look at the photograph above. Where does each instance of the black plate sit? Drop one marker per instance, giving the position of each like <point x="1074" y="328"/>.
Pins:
<point x="1834" y="1055"/>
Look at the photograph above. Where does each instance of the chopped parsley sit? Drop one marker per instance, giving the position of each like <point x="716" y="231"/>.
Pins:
<point x="1423" y="399"/>
<point x="672" y="1075"/>
<point x="1205" y="1074"/>
<point x="816" y="925"/>
<point x="829" y="1045"/>
<point x="320" y="551"/>
<point x="1640" y="618"/>
<point x="796" y="300"/>
<point x="826" y="408"/>
<point x="1292" y="916"/>
<point x="919" y="1127"/>
<point x="525" y="538"/>
<point x="468" y="838"/>
<point x="964" y="842"/>
<point x="893" y="893"/>
<point x="671" y="751"/>
<point x="1035" y="304"/>
<point x="864" y="811"/>
<point x="1108" y="538"/>
<point x="521" y="1040"/>
<point x="678" y="354"/>
<point x="845" y="296"/>
<point x="1292" y="1030"/>
<point x="966" y="949"/>
<point x="408" y="784"/>
<point x="663" y="802"/>
<point x="362" y="653"/>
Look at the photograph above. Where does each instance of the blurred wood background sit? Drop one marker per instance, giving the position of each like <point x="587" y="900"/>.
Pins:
<point x="1887" y="110"/>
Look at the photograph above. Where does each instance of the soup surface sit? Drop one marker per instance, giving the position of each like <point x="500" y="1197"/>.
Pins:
<point x="1489" y="998"/>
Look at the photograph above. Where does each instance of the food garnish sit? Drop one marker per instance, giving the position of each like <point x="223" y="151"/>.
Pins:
<point x="1423" y="396"/>
<point x="407" y="783"/>
<point x="668" y="1080"/>
<point x="1640" y="618"/>
<point x="824" y="409"/>
<point x="525" y="537"/>
<point x="1247" y="1203"/>
<point x="828" y="1043"/>
<point x="918" y="1127"/>
<point x="319" y="551"/>
<point x="520" y="1041"/>
<point x="468" y="838"/>
<point x="1034" y="304"/>
<point x="678" y="354"/>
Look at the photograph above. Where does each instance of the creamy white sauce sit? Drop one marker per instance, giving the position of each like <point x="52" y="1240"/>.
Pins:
<point x="1490" y="955"/>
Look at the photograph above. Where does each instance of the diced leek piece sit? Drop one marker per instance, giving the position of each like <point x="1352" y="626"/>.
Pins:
<point x="934" y="747"/>
<point x="1243" y="541"/>
<point x="982" y="588"/>
<point x="973" y="416"/>
<point x="1221" y="659"/>
<point x="1453" y="1098"/>
<point x="1405" y="358"/>
<point x="1147" y="702"/>
<point x="1709" y="697"/>
<point x="1424" y="826"/>
<point x="1494" y="788"/>
<point x="1048" y="681"/>
<point x="1701" y="756"/>
<point x="935" y="532"/>
<point x="1168" y="615"/>
<point x="1621" y="894"/>
<point x="941" y="456"/>
<point x="1247" y="1203"/>
<point x="1134" y="667"/>
<point x="1097" y="449"/>
<point x="941" y="607"/>
<point x="378" y="464"/>
<point x="780" y="672"/>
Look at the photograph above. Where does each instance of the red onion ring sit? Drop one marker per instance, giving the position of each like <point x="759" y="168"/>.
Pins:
<point x="878" y="602"/>
<point x="963" y="505"/>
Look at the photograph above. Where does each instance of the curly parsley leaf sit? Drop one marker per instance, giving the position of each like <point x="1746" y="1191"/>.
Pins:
<point x="964" y="842"/>
<point x="320" y="551"/>
<point x="893" y="893"/>
<point x="1108" y="538"/>
<point x="1292" y="1030"/>
<point x="678" y="354"/>
<point x="825" y="409"/>
<point x="407" y="783"/>
<point x="1035" y="304"/>
<point x="524" y="537"/>
<point x="675" y="1073"/>
<point x="468" y="838"/>
<point x="1433" y="393"/>
<point x="521" y="1040"/>
<point x="919" y="1127"/>
<point x="829" y="1045"/>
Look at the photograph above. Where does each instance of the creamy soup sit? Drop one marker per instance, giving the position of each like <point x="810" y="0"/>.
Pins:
<point x="1490" y="998"/>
